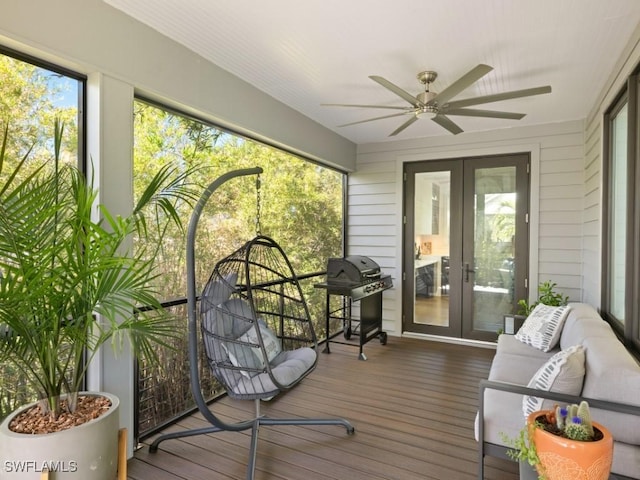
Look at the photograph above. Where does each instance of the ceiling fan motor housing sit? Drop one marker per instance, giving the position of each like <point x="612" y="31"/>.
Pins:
<point x="425" y="98"/>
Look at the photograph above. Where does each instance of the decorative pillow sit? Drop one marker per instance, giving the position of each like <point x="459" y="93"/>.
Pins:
<point x="235" y="351"/>
<point x="562" y="373"/>
<point x="543" y="327"/>
<point x="271" y="343"/>
<point x="244" y="355"/>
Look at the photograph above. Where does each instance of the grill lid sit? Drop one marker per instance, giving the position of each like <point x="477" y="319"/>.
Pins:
<point x="352" y="269"/>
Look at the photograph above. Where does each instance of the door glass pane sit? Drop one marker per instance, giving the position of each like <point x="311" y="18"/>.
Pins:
<point x="495" y="229"/>
<point x="618" y="212"/>
<point x="431" y="248"/>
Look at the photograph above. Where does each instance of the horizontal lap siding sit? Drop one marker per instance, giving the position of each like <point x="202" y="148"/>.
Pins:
<point x="561" y="209"/>
<point x="372" y="220"/>
<point x="375" y="200"/>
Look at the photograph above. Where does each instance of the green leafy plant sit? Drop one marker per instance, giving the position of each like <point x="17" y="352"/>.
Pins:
<point x="522" y="448"/>
<point x="70" y="284"/>
<point x="546" y="295"/>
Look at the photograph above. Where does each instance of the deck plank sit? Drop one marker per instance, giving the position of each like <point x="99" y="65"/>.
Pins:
<point x="413" y="403"/>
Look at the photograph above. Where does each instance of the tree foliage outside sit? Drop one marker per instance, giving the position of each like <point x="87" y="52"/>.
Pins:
<point x="31" y="98"/>
<point x="299" y="204"/>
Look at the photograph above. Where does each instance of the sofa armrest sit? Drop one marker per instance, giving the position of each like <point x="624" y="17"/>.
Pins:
<point x="561" y="397"/>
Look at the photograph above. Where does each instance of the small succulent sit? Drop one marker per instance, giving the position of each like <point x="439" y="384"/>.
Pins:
<point x="575" y="421"/>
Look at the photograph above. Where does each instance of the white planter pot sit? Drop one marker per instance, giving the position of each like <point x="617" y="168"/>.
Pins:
<point x="87" y="452"/>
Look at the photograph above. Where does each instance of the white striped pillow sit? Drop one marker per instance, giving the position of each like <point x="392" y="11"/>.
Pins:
<point x="562" y="373"/>
<point x="543" y="327"/>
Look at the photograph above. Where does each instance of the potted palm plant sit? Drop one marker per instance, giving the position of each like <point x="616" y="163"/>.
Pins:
<point x="68" y="286"/>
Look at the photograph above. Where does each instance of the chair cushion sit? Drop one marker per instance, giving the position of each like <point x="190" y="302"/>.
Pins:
<point x="562" y="373"/>
<point x="286" y="368"/>
<point x="220" y="290"/>
<point x="543" y="327"/>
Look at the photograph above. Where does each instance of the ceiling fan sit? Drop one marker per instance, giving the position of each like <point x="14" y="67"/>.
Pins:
<point x="438" y="105"/>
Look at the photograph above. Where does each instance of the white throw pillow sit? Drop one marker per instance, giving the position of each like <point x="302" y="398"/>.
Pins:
<point x="271" y="343"/>
<point x="543" y="327"/>
<point x="234" y="359"/>
<point x="562" y="373"/>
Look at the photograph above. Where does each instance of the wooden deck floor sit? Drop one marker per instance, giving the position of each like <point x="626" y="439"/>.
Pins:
<point x="413" y="404"/>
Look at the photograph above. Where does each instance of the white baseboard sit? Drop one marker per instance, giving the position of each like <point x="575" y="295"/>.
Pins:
<point x="454" y="340"/>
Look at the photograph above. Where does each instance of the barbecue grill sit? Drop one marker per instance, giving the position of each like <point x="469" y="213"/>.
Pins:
<point x="356" y="278"/>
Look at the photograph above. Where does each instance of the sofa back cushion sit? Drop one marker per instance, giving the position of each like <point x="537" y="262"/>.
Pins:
<point x="582" y="321"/>
<point x="611" y="373"/>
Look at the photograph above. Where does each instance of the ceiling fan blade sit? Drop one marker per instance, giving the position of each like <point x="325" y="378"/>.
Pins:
<point x="447" y="123"/>
<point x="363" y="106"/>
<point x="397" y="90"/>
<point x="528" y="92"/>
<point x="469" y="112"/>
<point x="461" y="84"/>
<point x="403" y="126"/>
<point x="372" y="119"/>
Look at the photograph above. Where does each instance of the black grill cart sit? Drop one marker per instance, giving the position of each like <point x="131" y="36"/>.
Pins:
<point x="352" y="279"/>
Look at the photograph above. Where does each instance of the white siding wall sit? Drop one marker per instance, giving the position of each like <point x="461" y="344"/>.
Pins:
<point x="557" y="193"/>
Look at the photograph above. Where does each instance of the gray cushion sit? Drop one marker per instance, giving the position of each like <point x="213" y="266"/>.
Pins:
<point x="287" y="368"/>
<point x="582" y="322"/>
<point x="613" y="374"/>
<point x="220" y="291"/>
<point x="511" y="346"/>
<point x="503" y="416"/>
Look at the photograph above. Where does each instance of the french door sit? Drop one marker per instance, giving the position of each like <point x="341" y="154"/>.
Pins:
<point x="465" y="244"/>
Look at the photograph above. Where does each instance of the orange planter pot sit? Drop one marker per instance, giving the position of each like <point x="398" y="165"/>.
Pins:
<point x="565" y="459"/>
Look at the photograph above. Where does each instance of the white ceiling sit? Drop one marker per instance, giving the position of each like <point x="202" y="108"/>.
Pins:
<point x="308" y="52"/>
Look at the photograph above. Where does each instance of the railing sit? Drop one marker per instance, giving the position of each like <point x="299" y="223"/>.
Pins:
<point x="163" y="389"/>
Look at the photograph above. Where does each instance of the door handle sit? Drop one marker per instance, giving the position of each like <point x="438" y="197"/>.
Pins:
<point x="467" y="271"/>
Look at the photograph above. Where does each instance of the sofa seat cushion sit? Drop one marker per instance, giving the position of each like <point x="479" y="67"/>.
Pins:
<point x="626" y="460"/>
<point x="502" y="416"/>
<point x="513" y="369"/>
<point x="510" y="345"/>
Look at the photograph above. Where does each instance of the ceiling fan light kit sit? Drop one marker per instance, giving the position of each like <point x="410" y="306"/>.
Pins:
<point x="438" y="105"/>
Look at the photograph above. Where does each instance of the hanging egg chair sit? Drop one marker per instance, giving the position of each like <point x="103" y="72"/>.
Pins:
<point x="256" y="329"/>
